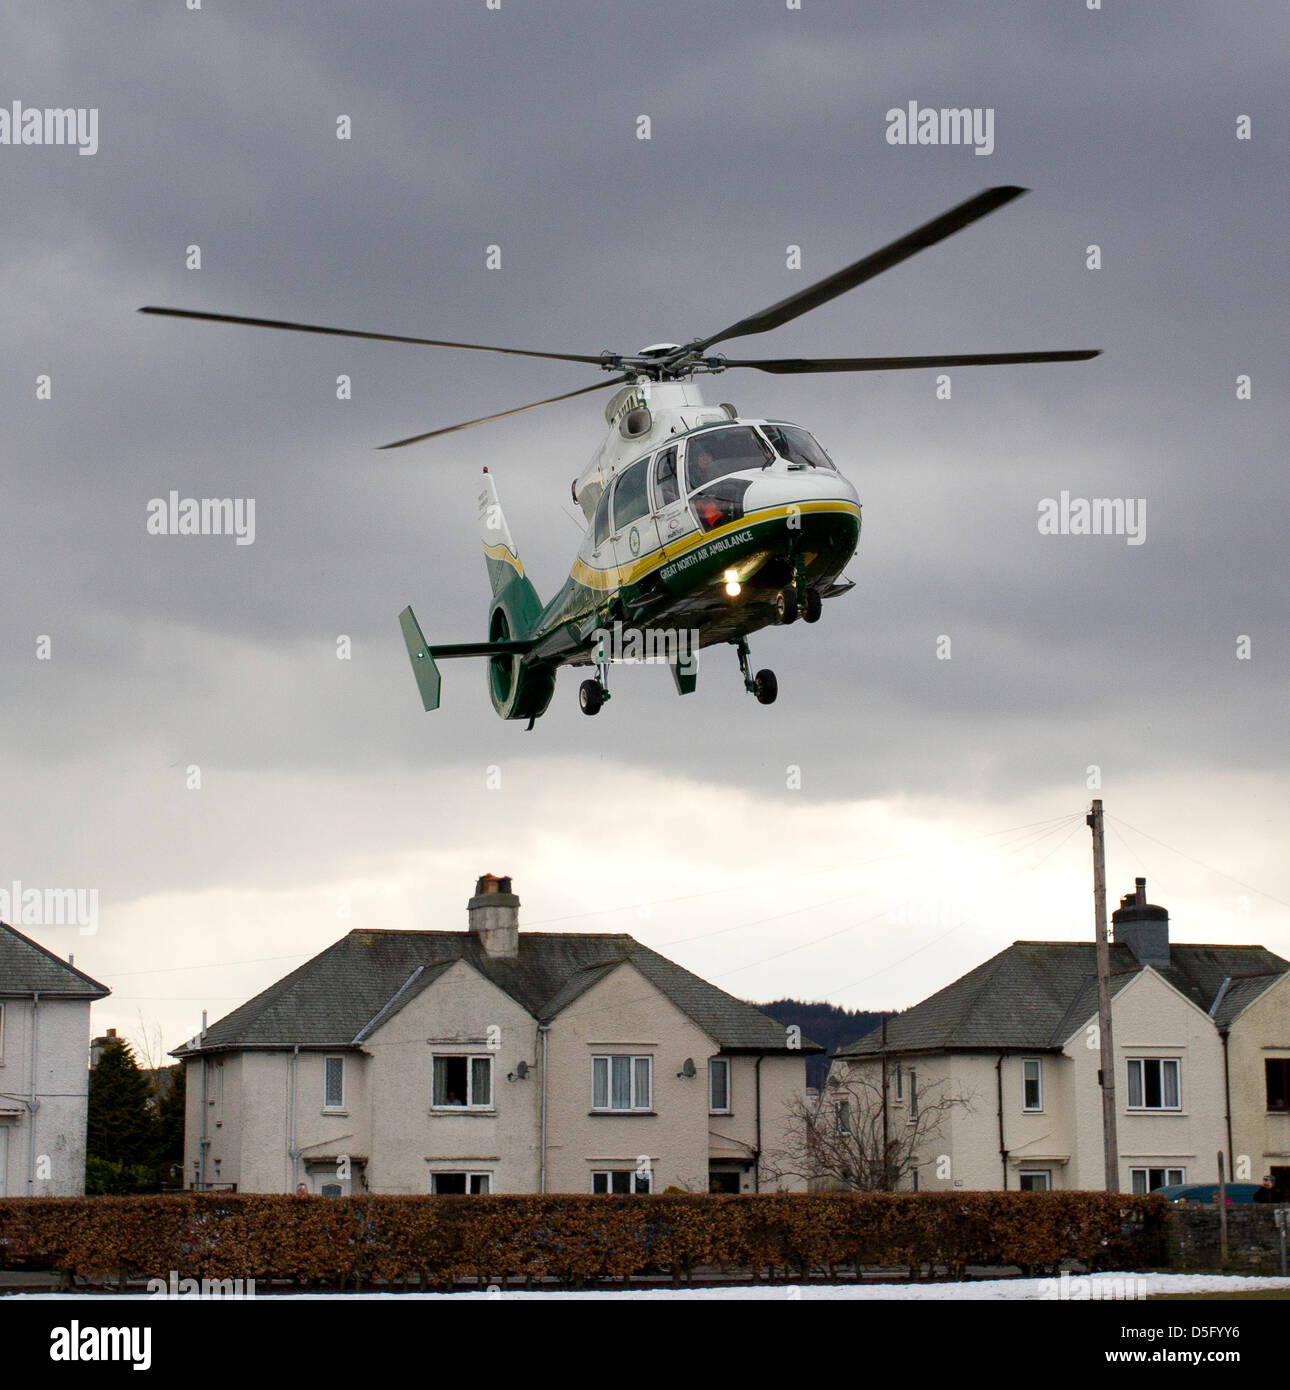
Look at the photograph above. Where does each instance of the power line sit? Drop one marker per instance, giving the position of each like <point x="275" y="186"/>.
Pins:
<point x="1182" y="854"/>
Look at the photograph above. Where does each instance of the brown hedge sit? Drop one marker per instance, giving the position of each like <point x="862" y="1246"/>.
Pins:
<point x="436" y="1240"/>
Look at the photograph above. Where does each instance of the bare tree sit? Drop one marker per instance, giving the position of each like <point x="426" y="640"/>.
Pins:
<point x="843" y="1136"/>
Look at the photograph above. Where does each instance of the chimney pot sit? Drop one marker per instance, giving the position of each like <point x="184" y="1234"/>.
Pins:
<point x="493" y="915"/>
<point x="1144" y="929"/>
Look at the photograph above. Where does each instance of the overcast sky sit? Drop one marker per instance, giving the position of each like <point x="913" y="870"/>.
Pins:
<point x="940" y="814"/>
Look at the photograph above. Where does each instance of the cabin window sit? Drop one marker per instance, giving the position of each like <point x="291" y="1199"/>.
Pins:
<point x="600" y="527"/>
<point x="714" y="453"/>
<point x="631" y="500"/>
<point x="795" y="445"/>
<point x="667" y="486"/>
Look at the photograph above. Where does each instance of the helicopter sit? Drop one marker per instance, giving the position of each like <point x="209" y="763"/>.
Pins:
<point x="703" y="525"/>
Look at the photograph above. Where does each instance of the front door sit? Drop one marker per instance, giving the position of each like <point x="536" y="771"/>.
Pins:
<point x="633" y="534"/>
<point x="673" y="521"/>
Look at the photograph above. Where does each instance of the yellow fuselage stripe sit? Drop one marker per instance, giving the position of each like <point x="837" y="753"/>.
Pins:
<point x="617" y="575"/>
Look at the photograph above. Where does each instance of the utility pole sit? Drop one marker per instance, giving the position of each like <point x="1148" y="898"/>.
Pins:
<point x="1106" y="1072"/>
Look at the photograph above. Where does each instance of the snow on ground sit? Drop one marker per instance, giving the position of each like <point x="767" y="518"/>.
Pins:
<point x="1071" y="1287"/>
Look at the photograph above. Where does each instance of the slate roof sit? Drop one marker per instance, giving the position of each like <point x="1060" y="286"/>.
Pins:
<point x="341" y="995"/>
<point x="26" y="966"/>
<point x="1036" y="993"/>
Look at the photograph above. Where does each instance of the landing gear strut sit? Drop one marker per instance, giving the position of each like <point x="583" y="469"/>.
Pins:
<point x="763" y="685"/>
<point x="593" y="694"/>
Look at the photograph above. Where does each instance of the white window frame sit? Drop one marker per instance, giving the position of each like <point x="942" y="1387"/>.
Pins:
<point x="1174" y="1177"/>
<point x="470" y="1058"/>
<point x="636" y="1177"/>
<point x="842" y="1114"/>
<point x="1142" y="1107"/>
<point x="716" y="1066"/>
<point x="472" y="1177"/>
<point x="1038" y="1064"/>
<point x="913" y="1098"/>
<point x="1045" y="1173"/>
<point x="337" y="1109"/>
<point x="900" y="1085"/>
<point x="634" y="1106"/>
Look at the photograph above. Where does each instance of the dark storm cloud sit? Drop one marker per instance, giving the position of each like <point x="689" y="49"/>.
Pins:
<point x="516" y="127"/>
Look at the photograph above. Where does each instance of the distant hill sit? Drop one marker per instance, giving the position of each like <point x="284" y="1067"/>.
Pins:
<point x="827" y="1024"/>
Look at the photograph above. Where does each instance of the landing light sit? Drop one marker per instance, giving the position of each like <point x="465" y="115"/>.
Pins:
<point x="733" y="587"/>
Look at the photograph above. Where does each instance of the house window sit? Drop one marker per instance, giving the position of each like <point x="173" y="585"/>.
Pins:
<point x="1144" y="1180"/>
<point x="1277" y="1076"/>
<point x="621" y="1083"/>
<point x="1" y="1032"/>
<point x="913" y="1097"/>
<point x="900" y="1084"/>
<point x="842" y="1109"/>
<point x="719" y="1085"/>
<point x="1154" y="1083"/>
<point x="1032" y="1087"/>
<point x="463" y="1083"/>
<point x="333" y="1084"/>
<point x="461" y="1184"/>
<point x="1035" y="1180"/>
<point x="620" y="1181"/>
<point x="330" y="1189"/>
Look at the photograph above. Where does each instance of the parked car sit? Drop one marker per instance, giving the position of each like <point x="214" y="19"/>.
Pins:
<point x="1237" y="1192"/>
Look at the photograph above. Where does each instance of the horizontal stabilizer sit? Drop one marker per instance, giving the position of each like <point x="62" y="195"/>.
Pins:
<point x="453" y="649"/>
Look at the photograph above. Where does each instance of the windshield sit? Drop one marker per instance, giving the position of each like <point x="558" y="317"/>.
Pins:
<point x="797" y="446"/>
<point x="714" y="453"/>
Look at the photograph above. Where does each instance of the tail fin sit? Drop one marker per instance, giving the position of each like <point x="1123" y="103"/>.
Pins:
<point x="505" y="569"/>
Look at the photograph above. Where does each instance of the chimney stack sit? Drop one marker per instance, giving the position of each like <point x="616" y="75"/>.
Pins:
<point x="1144" y="929"/>
<point x="494" y="916"/>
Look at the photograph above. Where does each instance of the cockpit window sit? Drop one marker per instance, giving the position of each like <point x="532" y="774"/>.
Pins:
<point x="631" y="501"/>
<point x="601" y="524"/>
<point x="714" y="453"/>
<point x="797" y="446"/>
<point x="666" y="487"/>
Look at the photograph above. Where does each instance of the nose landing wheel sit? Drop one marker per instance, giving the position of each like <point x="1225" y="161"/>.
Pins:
<point x="763" y="685"/>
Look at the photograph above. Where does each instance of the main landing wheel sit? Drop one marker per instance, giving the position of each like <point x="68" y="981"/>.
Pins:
<point x="786" y="606"/>
<point x="814" y="606"/>
<point x="765" y="687"/>
<point x="591" y="696"/>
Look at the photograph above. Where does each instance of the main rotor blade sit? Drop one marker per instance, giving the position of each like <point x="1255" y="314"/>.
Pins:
<point x="786" y="365"/>
<point x="355" y="333"/>
<point x="874" y="264"/>
<point x="502" y="414"/>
